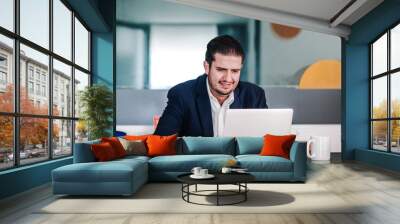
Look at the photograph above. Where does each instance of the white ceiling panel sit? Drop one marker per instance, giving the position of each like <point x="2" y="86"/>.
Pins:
<point x="325" y="16"/>
<point x="321" y="9"/>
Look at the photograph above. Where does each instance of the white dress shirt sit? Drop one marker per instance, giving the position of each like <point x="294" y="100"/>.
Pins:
<point x="218" y="111"/>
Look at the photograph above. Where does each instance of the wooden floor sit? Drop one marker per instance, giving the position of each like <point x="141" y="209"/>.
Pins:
<point x="377" y="188"/>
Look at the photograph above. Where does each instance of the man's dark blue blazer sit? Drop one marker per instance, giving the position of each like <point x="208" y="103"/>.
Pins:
<point x="188" y="111"/>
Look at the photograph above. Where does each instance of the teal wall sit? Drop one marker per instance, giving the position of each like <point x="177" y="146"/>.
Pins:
<point x="27" y="177"/>
<point x="379" y="159"/>
<point x="356" y="104"/>
<point x="102" y="63"/>
<point x="355" y="126"/>
<point x="102" y="58"/>
<point x="24" y="178"/>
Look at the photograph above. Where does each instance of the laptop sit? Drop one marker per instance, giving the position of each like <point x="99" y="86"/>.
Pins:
<point x="257" y="122"/>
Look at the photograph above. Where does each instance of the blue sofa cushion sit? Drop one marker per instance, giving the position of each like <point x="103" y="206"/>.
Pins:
<point x="83" y="153"/>
<point x="257" y="163"/>
<point x="130" y="158"/>
<point x="249" y="145"/>
<point x="207" y="145"/>
<point x="185" y="163"/>
<point x="111" y="171"/>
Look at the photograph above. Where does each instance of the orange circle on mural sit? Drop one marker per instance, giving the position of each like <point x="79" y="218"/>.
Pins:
<point x="323" y="74"/>
<point x="283" y="31"/>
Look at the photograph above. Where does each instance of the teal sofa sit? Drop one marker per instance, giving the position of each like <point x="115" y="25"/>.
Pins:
<point x="125" y="176"/>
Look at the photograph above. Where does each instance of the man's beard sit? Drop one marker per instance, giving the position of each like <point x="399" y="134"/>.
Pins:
<point x="218" y="91"/>
<point x="222" y="93"/>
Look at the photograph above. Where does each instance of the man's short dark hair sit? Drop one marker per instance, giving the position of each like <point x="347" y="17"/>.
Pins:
<point x="225" y="45"/>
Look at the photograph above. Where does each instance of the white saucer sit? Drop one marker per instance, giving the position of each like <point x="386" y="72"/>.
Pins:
<point x="208" y="176"/>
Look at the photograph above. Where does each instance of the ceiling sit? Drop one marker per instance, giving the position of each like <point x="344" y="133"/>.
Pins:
<point x="164" y="12"/>
<point x="326" y="16"/>
<point x="320" y="9"/>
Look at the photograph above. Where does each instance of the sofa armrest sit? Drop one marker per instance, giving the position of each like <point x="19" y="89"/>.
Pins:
<point x="299" y="158"/>
<point x="83" y="152"/>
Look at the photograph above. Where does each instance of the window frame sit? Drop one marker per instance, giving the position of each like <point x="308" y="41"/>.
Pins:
<point x="5" y="58"/>
<point x="15" y="72"/>
<point x="3" y="71"/>
<point x="3" y="74"/>
<point x="388" y="74"/>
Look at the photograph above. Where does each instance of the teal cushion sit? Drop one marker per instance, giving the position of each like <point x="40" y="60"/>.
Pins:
<point x="83" y="152"/>
<point x="207" y="145"/>
<point x="111" y="171"/>
<point x="133" y="158"/>
<point x="257" y="163"/>
<point x="249" y="145"/>
<point x="185" y="163"/>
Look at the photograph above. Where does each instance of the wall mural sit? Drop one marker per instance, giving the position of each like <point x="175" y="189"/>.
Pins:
<point x="323" y="74"/>
<point x="292" y="57"/>
<point x="297" y="68"/>
<point x="285" y="32"/>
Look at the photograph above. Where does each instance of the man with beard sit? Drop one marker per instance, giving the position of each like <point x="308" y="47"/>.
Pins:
<point x="197" y="107"/>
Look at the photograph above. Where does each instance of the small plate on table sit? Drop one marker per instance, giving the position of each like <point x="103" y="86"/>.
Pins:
<point x="240" y="170"/>
<point x="208" y="176"/>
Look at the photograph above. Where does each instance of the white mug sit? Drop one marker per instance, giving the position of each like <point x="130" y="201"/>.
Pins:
<point x="203" y="172"/>
<point x="318" y="148"/>
<point x="196" y="170"/>
<point x="226" y="170"/>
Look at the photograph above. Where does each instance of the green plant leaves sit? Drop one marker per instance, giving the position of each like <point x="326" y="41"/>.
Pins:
<point x="96" y="102"/>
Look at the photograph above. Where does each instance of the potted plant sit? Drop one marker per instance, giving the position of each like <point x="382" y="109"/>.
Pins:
<point x="96" y="102"/>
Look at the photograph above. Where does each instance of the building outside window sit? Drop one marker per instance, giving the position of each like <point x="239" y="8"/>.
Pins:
<point x="3" y="81"/>
<point x="43" y="90"/>
<point x="30" y="87"/>
<point x="44" y="77"/>
<point x="385" y="91"/>
<point x="30" y="72"/>
<point x="34" y="81"/>
<point x="3" y="72"/>
<point x="55" y="95"/>
<point x="38" y="89"/>
<point x="3" y="61"/>
<point x="37" y="75"/>
<point x="3" y="78"/>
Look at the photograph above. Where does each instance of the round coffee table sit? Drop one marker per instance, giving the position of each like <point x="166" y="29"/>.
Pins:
<point x="238" y="179"/>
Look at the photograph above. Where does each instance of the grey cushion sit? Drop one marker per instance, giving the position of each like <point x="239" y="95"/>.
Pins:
<point x="134" y="147"/>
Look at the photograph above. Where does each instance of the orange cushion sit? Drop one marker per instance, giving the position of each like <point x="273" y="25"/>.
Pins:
<point x="103" y="152"/>
<point x="136" y="137"/>
<point x="161" y="145"/>
<point x="116" y="145"/>
<point x="277" y="145"/>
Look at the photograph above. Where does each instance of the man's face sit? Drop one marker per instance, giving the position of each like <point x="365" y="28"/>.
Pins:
<point x="224" y="73"/>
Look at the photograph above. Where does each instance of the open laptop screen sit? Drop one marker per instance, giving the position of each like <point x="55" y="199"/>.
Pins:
<point x="257" y="122"/>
